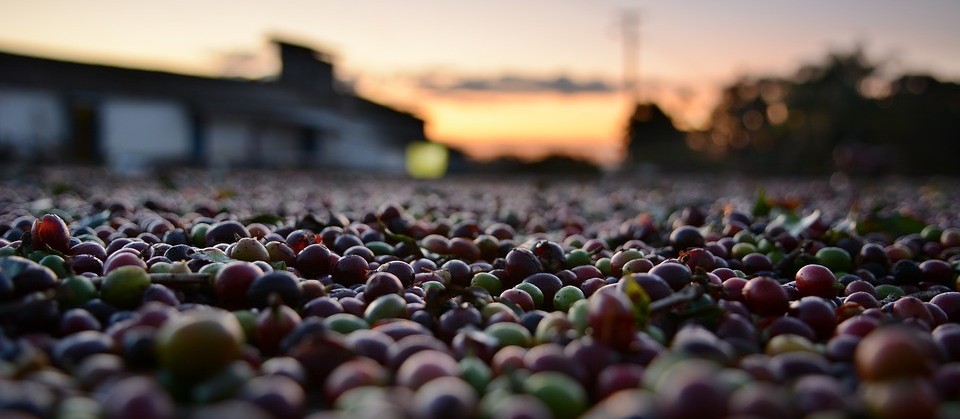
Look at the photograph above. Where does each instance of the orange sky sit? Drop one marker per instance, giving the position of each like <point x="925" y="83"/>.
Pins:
<point x="499" y="76"/>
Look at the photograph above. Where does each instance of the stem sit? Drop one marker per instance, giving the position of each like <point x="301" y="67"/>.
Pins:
<point x="688" y="293"/>
<point x="922" y="295"/>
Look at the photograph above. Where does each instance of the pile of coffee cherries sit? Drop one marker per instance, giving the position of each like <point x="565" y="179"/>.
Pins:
<point x="296" y="294"/>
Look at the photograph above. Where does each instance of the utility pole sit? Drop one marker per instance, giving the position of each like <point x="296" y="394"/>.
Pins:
<point x="630" y="30"/>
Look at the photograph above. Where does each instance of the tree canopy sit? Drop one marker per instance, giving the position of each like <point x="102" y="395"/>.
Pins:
<point x="837" y="115"/>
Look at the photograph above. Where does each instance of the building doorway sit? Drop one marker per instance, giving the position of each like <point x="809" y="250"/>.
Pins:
<point x="85" y="133"/>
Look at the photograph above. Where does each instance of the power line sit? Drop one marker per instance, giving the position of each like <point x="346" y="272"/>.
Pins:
<point x="630" y="30"/>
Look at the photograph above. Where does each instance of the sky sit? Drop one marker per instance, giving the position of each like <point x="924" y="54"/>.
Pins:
<point x="498" y="77"/>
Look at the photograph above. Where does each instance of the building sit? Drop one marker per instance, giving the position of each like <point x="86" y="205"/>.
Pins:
<point x="132" y="118"/>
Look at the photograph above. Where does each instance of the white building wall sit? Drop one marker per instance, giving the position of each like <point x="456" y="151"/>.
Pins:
<point x="279" y="146"/>
<point x="360" y="145"/>
<point x="32" y="120"/>
<point x="138" y="132"/>
<point x="232" y="142"/>
<point x="228" y="142"/>
<point x="135" y="132"/>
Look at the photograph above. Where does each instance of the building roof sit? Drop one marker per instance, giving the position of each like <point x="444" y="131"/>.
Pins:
<point x="267" y="100"/>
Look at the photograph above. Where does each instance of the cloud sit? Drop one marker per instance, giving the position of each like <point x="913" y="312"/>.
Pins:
<point x="510" y="83"/>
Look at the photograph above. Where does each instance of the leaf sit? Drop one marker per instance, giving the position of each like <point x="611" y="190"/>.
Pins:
<point x="793" y="223"/>
<point x="225" y="193"/>
<point x="896" y="224"/>
<point x="279" y="266"/>
<point x="761" y="206"/>
<point x="705" y="313"/>
<point x="474" y="296"/>
<point x="267" y="219"/>
<point x="434" y="301"/>
<point x="687" y="293"/>
<point x="847" y="225"/>
<point x="212" y="255"/>
<point x="60" y="188"/>
<point x="640" y="300"/>
<point x="401" y="238"/>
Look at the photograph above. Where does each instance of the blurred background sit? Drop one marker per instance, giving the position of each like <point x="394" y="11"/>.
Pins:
<point x="859" y="87"/>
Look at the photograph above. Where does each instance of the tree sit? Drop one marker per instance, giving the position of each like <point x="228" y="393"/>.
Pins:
<point x="822" y="120"/>
<point x="836" y="115"/>
<point x="651" y="138"/>
<point x="919" y="122"/>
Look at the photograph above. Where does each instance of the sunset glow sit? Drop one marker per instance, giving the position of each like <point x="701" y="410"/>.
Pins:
<point x="499" y="77"/>
<point x="548" y="119"/>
